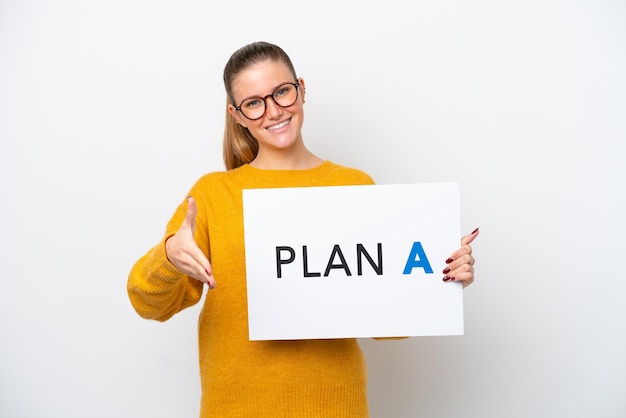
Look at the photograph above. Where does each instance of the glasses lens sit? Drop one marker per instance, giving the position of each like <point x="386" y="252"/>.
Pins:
<point x="285" y="95"/>
<point x="253" y="108"/>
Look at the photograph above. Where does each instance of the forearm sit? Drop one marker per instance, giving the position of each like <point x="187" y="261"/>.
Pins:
<point x="157" y="289"/>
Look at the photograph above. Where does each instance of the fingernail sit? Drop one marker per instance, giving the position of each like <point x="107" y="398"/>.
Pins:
<point x="446" y="278"/>
<point x="446" y="270"/>
<point x="449" y="260"/>
<point x="452" y="278"/>
<point x="474" y="231"/>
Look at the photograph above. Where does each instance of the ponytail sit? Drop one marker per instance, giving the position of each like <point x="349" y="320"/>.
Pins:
<point x="240" y="147"/>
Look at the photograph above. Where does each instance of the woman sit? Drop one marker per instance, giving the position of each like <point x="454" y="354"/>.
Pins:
<point x="263" y="147"/>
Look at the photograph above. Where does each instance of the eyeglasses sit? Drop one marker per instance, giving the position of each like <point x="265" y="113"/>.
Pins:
<point x="284" y="95"/>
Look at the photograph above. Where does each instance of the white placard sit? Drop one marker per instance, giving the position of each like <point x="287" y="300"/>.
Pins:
<point x="352" y="261"/>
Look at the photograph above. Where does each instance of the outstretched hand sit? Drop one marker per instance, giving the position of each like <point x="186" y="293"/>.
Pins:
<point x="460" y="264"/>
<point x="183" y="251"/>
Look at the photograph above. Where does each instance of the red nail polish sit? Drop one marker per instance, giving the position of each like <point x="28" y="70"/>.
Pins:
<point x="452" y="278"/>
<point x="449" y="260"/>
<point x="474" y="231"/>
<point x="445" y="279"/>
<point x="446" y="270"/>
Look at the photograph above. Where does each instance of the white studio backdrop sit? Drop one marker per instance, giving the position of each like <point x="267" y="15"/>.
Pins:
<point x="109" y="111"/>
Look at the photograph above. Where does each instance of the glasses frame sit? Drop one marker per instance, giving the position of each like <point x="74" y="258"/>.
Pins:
<point x="296" y="85"/>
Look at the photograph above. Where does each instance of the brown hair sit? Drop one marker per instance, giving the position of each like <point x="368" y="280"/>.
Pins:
<point x="240" y="147"/>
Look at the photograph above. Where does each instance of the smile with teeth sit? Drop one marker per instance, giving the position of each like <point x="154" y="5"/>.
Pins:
<point x="280" y="125"/>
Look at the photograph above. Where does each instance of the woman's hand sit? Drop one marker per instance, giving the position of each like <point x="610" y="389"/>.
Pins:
<point x="184" y="253"/>
<point x="460" y="264"/>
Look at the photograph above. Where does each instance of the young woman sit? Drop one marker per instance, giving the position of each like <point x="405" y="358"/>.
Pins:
<point x="204" y="244"/>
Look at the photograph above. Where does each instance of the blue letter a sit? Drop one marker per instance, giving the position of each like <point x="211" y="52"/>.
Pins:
<point x="414" y="262"/>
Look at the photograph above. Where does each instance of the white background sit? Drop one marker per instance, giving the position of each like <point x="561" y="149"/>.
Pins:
<point x="109" y="111"/>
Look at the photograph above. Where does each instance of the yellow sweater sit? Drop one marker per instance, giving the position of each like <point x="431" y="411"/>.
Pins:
<point x="242" y="378"/>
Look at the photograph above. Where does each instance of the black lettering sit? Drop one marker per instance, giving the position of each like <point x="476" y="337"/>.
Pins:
<point x="305" y="264"/>
<point x="342" y="265"/>
<point x="361" y="251"/>
<point x="280" y="261"/>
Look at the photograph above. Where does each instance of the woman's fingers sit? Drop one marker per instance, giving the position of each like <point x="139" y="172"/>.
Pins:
<point x="460" y="264"/>
<point x="190" y="217"/>
<point x="204" y="269"/>
<point x="194" y="263"/>
<point x="464" y="274"/>
<point x="467" y="240"/>
<point x="465" y="247"/>
<point x="183" y="251"/>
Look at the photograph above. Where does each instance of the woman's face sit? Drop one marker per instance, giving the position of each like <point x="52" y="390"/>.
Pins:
<point x="280" y="127"/>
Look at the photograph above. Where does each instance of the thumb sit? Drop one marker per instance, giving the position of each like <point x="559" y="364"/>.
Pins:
<point x="190" y="217"/>
<point x="466" y="240"/>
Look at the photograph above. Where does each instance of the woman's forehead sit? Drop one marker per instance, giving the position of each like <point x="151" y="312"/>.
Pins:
<point x="261" y="79"/>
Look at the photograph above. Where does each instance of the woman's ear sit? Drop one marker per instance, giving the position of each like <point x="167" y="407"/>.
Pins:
<point x="301" y="81"/>
<point x="235" y="114"/>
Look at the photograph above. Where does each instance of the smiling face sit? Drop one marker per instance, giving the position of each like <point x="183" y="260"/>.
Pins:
<point x="279" y="129"/>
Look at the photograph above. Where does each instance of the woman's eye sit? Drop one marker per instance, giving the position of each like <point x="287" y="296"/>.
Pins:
<point x="281" y="91"/>
<point x="252" y="103"/>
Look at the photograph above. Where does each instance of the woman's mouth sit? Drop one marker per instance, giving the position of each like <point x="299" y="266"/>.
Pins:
<point x="279" y="125"/>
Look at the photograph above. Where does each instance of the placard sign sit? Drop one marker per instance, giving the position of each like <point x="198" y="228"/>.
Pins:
<point x="352" y="261"/>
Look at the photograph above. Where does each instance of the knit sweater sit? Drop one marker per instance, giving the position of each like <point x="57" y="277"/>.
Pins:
<point x="243" y="378"/>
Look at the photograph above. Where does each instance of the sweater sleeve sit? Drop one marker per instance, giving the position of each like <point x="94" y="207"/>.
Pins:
<point x="156" y="288"/>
